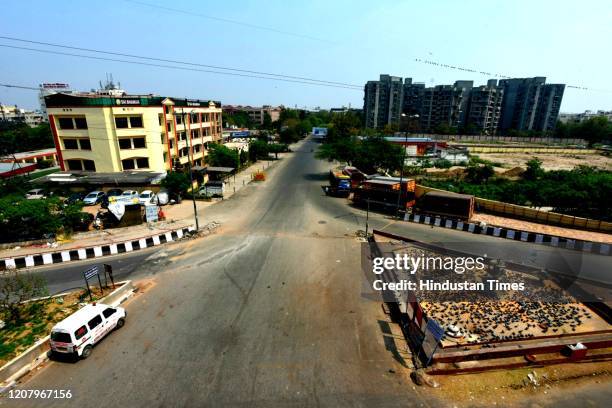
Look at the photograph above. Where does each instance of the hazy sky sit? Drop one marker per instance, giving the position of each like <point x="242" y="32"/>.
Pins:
<point x="344" y="41"/>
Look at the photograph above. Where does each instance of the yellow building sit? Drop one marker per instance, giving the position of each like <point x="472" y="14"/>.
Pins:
<point x="105" y="133"/>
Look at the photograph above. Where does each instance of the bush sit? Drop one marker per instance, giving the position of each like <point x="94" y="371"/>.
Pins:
<point x="443" y="164"/>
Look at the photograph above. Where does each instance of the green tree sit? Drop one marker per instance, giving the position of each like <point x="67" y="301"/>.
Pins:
<point x="176" y="183"/>
<point x="277" y="148"/>
<point x="289" y="135"/>
<point x="222" y="156"/>
<point x="19" y="137"/>
<point x="258" y="150"/>
<point x="267" y="121"/>
<point x="534" y="169"/>
<point x="15" y="288"/>
<point x="479" y="174"/>
<point x="28" y="219"/>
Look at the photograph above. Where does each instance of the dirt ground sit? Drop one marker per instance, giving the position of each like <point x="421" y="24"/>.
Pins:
<point x="542" y="229"/>
<point x="512" y="387"/>
<point x="549" y="161"/>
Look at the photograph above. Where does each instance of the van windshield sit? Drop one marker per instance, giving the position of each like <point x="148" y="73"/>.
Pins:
<point x="61" y="337"/>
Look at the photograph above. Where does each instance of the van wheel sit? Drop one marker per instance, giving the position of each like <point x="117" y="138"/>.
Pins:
<point x="86" y="352"/>
<point x="120" y="323"/>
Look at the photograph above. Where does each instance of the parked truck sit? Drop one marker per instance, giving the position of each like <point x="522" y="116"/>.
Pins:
<point x="446" y="204"/>
<point x="339" y="184"/>
<point x="384" y="192"/>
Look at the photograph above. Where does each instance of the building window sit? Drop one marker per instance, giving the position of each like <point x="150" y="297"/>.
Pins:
<point x="70" y="144"/>
<point x="74" y="165"/>
<point x="160" y="119"/>
<point x="169" y="126"/>
<point x="89" y="165"/>
<point x="125" y="143"/>
<point x="85" y="144"/>
<point x="142" y="163"/>
<point x="135" y="121"/>
<point x="179" y="120"/>
<point x="79" y="165"/>
<point x="138" y="142"/>
<point x="128" y="164"/>
<point x="132" y="143"/>
<point x="80" y="123"/>
<point x="135" y="163"/>
<point x="65" y="123"/>
<point x="125" y="122"/>
<point x="121" y="122"/>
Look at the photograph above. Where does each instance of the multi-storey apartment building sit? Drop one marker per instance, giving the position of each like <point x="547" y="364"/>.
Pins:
<point x="518" y="103"/>
<point x="485" y="109"/>
<point x="382" y="102"/>
<point x="445" y="105"/>
<point x="530" y="104"/>
<point x="114" y="133"/>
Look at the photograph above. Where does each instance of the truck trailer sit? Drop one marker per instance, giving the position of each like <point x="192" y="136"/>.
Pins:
<point x="383" y="192"/>
<point x="446" y="204"/>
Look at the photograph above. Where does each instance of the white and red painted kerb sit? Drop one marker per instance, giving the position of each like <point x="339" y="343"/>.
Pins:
<point x="79" y="254"/>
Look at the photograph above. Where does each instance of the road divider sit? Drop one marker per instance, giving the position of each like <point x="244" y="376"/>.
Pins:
<point x="513" y="234"/>
<point x="95" y="251"/>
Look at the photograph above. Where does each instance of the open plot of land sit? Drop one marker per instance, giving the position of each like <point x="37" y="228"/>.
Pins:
<point x="549" y="161"/>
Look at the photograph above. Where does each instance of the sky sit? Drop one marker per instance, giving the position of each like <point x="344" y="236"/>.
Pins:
<point x="341" y="41"/>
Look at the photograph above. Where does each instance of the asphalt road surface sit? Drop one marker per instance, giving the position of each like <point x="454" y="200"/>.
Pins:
<point x="266" y="312"/>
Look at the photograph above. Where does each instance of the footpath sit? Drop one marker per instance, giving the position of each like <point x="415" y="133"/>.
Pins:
<point x="179" y="222"/>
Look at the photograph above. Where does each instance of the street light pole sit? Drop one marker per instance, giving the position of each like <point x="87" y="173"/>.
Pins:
<point x="195" y="209"/>
<point x="399" y="195"/>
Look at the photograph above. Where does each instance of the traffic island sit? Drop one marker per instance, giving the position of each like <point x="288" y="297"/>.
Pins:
<point x="41" y="316"/>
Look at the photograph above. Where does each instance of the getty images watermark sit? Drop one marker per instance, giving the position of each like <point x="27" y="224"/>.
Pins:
<point x="478" y="271"/>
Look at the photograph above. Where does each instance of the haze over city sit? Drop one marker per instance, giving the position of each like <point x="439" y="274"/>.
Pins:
<point x="348" y="42"/>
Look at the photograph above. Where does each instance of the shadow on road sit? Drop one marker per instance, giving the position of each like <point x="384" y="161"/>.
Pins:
<point x="315" y="176"/>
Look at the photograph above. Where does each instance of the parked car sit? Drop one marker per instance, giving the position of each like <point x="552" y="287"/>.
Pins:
<point x="162" y="197"/>
<point x="79" y="332"/>
<point x="76" y="197"/>
<point x="128" y="196"/>
<point x="146" y="196"/>
<point x="93" y="198"/>
<point x="36" y="194"/>
<point x="111" y="195"/>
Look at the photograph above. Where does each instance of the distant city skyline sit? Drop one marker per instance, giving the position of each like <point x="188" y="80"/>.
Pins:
<point x="340" y="42"/>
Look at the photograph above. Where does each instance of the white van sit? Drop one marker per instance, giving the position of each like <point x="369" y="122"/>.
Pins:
<point x="78" y="333"/>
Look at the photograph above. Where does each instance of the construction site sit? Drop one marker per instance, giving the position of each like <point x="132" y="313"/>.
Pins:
<point x="554" y="320"/>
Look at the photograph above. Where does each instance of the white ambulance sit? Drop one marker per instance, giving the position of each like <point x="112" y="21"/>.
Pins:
<point x="78" y="333"/>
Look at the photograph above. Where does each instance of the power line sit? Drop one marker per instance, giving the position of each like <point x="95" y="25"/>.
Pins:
<point x="226" y="20"/>
<point x="177" y="61"/>
<point x="19" y="86"/>
<point x="175" y="67"/>
<point x="495" y="75"/>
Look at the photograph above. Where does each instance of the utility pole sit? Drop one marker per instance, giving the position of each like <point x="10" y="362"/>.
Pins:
<point x="399" y="195"/>
<point x="195" y="209"/>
